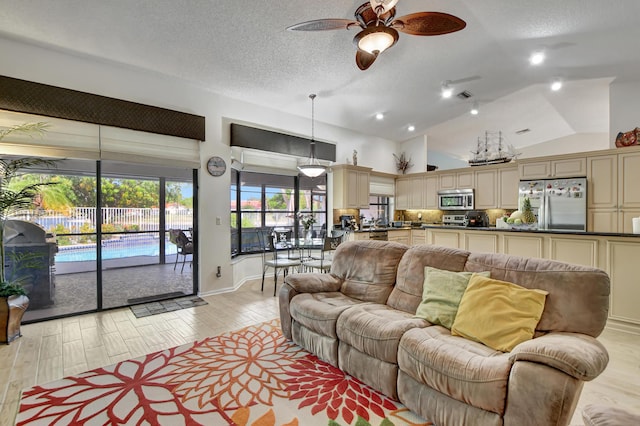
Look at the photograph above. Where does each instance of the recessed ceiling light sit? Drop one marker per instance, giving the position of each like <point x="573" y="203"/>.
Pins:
<point x="447" y="90"/>
<point x="379" y="116"/>
<point x="556" y="85"/>
<point x="474" y="109"/>
<point x="411" y="128"/>
<point x="537" y="57"/>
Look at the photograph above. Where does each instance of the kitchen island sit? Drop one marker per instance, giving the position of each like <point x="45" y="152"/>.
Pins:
<point x="616" y="253"/>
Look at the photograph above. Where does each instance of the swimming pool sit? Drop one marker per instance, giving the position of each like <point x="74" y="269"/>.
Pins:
<point x="88" y="253"/>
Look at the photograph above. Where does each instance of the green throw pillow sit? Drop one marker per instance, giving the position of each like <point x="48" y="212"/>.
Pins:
<point x="441" y="295"/>
<point x="498" y="313"/>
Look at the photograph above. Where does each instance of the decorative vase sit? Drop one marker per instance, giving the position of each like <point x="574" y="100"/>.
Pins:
<point x="12" y="309"/>
<point x="308" y="236"/>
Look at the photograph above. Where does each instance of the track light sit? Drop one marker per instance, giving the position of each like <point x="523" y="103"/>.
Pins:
<point x="447" y="90"/>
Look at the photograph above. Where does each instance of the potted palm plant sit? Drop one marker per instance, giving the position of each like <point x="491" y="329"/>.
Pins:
<point x="13" y="298"/>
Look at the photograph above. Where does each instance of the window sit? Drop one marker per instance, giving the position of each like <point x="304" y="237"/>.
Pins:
<point x="378" y="210"/>
<point x="262" y="201"/>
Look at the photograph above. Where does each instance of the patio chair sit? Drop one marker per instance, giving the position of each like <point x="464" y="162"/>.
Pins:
<point x="329" y="245"/>
<point x="184" y="245"/>
<point x="270" y="259"/>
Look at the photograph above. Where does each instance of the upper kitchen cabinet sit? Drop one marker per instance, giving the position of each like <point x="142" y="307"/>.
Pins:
<point x="602" y="184"/>
<point x="409" y="193"/>
<point x="628" y="179"/>
<point x="549" y="169"/>
<point x="430" y="194"/>
<point x="351" y="187"/>
<point x="486" y="193"/>
<point x="457" y="180"/>
<point x="508" y="180"/>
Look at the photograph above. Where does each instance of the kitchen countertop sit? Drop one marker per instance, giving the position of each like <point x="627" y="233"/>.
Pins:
<point x="537" y="231"/>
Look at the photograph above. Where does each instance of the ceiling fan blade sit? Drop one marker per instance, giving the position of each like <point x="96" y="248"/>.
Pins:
<point x="428" y="23"/>
<point x="364" y="59"/>
<point x="323" y="25"/>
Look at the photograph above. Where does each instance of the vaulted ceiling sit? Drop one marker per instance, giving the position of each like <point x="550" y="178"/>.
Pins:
<point x="241" y="49"/>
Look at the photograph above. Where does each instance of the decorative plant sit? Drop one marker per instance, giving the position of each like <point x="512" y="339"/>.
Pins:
<point x="306" y="220"/>
<point x="14" y="199"/>
<point x="402" y="163"/>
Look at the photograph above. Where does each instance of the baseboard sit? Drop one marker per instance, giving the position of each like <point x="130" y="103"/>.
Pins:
<point x="623" y="326"/>
<point x="235" y="286"/>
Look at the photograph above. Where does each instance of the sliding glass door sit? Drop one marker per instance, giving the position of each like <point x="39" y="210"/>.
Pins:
<point x="99" y="237"/>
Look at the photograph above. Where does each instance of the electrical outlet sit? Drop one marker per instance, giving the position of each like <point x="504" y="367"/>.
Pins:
<point x="218" y="220"/>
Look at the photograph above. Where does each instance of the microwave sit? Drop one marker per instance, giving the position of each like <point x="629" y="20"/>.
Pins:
<point x="456" y="199"/>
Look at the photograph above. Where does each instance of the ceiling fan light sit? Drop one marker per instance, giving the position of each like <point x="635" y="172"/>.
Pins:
<point x="386" y="5"/>
<point x="376" y="39"/>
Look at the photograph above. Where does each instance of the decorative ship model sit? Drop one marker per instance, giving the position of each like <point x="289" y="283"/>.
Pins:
<point x="491" y="150"/>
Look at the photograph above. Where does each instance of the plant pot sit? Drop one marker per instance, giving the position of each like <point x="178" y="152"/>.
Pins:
<point x="12" y="309"/>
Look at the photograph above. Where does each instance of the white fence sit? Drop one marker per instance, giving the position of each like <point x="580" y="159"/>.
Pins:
<point x="83" y="219"/>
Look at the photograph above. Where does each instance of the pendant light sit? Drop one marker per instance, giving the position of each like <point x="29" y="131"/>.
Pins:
<point x="312" y="168"/>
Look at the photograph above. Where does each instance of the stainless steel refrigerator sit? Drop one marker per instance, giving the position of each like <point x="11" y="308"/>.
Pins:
<point x="559" y="204"/>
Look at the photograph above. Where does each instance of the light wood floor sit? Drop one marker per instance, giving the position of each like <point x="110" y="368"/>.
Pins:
<point x="54" y="349"/>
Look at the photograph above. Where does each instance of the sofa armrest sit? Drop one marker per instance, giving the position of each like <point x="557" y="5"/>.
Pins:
<point x="302" y="283"/>
<point x="578" y="355"/>
<point x="313" y="283"/>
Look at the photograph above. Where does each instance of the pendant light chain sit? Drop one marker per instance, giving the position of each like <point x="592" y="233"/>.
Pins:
<point x="313" y="98"/>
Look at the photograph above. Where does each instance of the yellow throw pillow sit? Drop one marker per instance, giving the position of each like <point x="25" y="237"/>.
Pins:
<point x="498" y="313"/>
<point x="441" y="294"/>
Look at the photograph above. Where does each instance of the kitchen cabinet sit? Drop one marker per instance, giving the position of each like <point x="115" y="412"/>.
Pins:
<point x="629" y="180"/>
<point x="402" y="194"/>
<point x="351" y="187"/>
<point x="357" y="236"/>
<point x="613" y="191"/>
<point x="480" y="242"/>
<point x="444" y="237"/>
<point x="623" y="271"/>
<point x="523" y="245"/>
<point x="457" y="180"/>
<point x="430" y="194"/>
<point x="402" y="236"/>
<point x="549" y="169"/>
<point x="508" y="181"/>
<point x="579" y="251"/>
<point x="418" y="236"/>
<point x="486" y="193"/>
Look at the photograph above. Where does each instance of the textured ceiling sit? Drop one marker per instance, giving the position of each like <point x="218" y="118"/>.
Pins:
<point x="241" y="49"/>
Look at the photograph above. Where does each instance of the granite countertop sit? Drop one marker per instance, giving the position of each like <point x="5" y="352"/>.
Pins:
<point x="537" y="231"/>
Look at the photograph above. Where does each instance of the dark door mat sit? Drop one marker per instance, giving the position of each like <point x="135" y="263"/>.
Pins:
<point x="155" y="298"/>
<point x="162" y="306"/>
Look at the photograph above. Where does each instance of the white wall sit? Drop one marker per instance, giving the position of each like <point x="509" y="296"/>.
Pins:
<point x="578" y="142"/>
<point x="57" y="68"/>
<point x="415" y="149"/>
<point x="624" y="104"/>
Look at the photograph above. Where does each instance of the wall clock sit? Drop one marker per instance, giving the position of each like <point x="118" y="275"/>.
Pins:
<point x="216" y="166"/>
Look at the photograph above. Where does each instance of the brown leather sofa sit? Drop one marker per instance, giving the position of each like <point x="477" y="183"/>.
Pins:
<point x="360" y="318"/>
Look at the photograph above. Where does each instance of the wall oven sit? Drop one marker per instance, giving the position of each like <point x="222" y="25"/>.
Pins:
<point x="455" y="199"/>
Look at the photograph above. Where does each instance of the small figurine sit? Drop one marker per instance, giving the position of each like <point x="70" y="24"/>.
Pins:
<point x="355" y="157"/>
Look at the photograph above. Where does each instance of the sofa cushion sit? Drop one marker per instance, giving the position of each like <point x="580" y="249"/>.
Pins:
<point x="441" y="295"/>
<point x="578" y="300"/>
<point x="376" y="329"/>
<point x="320" y="311"/>
<point x="459" y="368"/>
<point x="497" y="313"/>
<point x="367" y="268"/>
<point x="407" y="293"/>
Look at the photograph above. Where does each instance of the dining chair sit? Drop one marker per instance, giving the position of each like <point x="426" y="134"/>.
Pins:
<point x="329" y="245"/>
<point x="184" y="245"/>
<point x="270" y="259"/>
<point x="284" y="244"/>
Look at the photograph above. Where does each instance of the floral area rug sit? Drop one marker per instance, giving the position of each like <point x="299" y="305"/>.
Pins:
<point x="253" y="376"/>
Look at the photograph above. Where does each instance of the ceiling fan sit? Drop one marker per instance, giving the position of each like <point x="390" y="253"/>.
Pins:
<point x="380" y="27"/>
